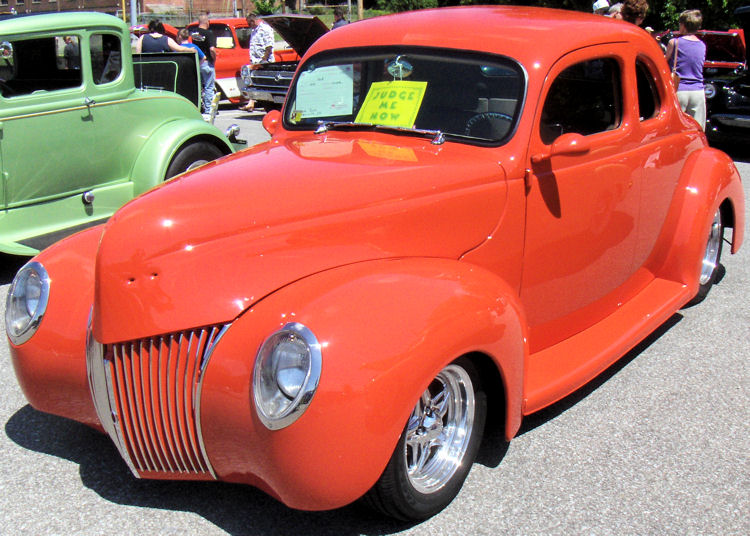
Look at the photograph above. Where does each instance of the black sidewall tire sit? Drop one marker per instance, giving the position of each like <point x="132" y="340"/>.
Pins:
<point x="395" y="495"/>
<point x="704" y="289"/>
<point x="191" y="153"/>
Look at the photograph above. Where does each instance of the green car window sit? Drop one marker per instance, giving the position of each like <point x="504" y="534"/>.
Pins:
<point x="39" y="64"/>
<point x="106" y="57"/>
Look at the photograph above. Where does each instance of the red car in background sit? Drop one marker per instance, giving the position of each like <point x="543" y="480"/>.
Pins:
<point x="141" y="29"/>
<point x="232" y="42"/>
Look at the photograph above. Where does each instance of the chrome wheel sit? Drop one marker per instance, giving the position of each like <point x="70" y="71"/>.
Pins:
<point x="437" y="447"/>
<point x="713" y="249"/>
<point x="439" y="429"/>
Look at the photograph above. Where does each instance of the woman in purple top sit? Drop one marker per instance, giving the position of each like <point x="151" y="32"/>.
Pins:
<point x="690" y="55"/>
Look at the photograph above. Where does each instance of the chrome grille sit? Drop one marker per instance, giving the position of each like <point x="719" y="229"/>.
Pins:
<point x="147" y="396"/>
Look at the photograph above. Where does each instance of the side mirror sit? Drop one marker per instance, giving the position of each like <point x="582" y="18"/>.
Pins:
<point x="271" y="121"/>
<point x="569" y="144"/>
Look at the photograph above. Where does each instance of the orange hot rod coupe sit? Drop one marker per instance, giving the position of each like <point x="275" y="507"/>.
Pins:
<point x="439" y="220"/>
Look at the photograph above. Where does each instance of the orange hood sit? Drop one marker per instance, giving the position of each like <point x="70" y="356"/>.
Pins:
<point x="202" y="248"/>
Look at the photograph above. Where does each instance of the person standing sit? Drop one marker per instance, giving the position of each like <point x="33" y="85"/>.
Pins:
<point x="205" y="39"/>
<point x="261" y="47"/>
<point x="70" y="52"/>
<point x="205" y="70"/>
<point x="686" y="55"/>
<point x="156" y="41"/>
<point x="340" y="20"/>
<point x="600" y="7"/>
<point x="634" y="11"/>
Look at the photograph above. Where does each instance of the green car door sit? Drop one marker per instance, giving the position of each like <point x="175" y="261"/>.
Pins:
<point x="54" y="113"/>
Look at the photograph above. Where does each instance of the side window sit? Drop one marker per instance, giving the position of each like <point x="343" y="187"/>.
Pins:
<point x="41" y="64"/>
<point x="224" y="37"/>
<point x="585" y="98"/>
<point x="648" y="96"/>
<point x="243" y="36"/>
<point x="106" y="58"/>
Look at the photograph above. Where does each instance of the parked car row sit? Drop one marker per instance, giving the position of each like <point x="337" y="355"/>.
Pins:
<point x="440" y="232"/>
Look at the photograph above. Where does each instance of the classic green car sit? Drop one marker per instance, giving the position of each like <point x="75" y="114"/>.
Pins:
<point x="78" y="139"/>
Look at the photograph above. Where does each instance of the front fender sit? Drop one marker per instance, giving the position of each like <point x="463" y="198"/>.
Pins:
<point x="709" y="180"/>
<point x="386" y="328"/>
<point x="51" y="365"/>
<point x="162" y="145"/>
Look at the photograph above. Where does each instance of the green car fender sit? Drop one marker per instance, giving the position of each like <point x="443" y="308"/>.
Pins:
<point x="165" y="143"/>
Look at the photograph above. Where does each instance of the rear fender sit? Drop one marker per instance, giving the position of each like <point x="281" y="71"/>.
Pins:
<point x="709" y="180"/>
<point x="387" y="328"/>
<point x="51" y="365"/>
<point x="158" y="151"/>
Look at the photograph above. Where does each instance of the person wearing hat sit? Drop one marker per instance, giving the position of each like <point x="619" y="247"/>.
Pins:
<point x="601" y="7"/>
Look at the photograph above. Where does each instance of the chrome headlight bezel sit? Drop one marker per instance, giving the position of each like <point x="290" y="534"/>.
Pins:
<point x="26" y="305"/>
<point x="283" y="389"/>
<point x="245" y="74"/>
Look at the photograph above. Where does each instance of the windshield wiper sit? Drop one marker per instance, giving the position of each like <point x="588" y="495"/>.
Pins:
<point x="438" y="138"/>
<point x="325" y="126"/>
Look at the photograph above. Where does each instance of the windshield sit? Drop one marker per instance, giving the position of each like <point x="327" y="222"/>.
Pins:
<point x="468" y="97"/>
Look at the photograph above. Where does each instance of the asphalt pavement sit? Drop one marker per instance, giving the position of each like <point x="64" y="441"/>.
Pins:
<point x="659" y="444"/>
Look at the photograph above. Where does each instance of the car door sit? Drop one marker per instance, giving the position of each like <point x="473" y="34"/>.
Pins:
<point x="231" y="54"/>
<point x="44" y="117"/>
<point x="62" y="129"/>
<point x="583" y="196"/>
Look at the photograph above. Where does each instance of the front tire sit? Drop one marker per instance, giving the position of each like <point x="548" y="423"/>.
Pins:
<point x="711" y="258"/>
<point x="437" y="447"/>
<point x="191" y="156"/>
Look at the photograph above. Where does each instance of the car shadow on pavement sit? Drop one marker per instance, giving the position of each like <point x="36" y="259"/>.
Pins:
<point x="237" y="509"/>
<point x="558" y="408"/>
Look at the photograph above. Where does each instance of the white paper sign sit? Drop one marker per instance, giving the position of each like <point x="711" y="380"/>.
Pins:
<point x="325" y="92"/>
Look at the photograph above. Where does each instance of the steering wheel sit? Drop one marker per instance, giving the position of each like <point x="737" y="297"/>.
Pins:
<point x="485" y="120"/>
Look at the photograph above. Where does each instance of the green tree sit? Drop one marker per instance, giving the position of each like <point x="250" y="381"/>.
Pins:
<point x="662" y="14"/>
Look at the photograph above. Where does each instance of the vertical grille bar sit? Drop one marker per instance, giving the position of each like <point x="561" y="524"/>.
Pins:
<point x="160" y="408"/>
<point x="154" y="387"/>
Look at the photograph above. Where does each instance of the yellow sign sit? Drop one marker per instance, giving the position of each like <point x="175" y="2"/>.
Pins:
<point x="394" y="103"/>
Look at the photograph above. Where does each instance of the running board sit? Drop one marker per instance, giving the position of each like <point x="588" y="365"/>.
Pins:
<point x="558" y="370"/>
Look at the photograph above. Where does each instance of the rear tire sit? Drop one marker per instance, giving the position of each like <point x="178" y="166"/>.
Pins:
<point x="192" y="156"/>
<point x="711" y="258"/>
<point x="437" y="447"/>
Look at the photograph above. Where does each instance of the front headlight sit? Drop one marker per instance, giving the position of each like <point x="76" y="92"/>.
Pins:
<point x="710" y="90"/>
<point x="245" y="74"/>
<point x="286" y="375"/>
<point x="26" y="302"/>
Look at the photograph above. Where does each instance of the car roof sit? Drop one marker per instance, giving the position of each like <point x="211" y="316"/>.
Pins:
<point x="528" y="34"/>
<point x="237" y="22"/>
<point x="64" y="21"/>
